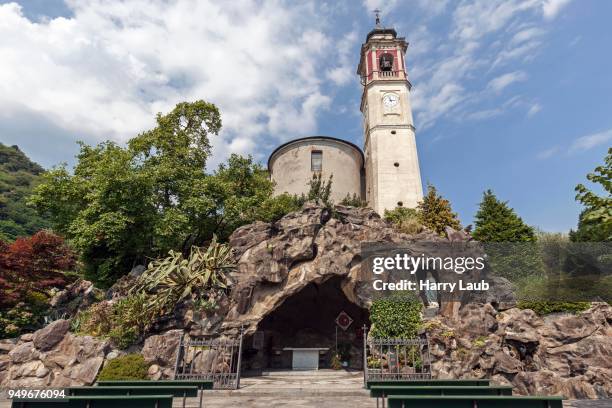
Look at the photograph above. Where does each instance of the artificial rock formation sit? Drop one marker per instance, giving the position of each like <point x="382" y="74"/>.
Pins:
<point x="276" y="261"/>
<point x="51" y="357"/>
<point x="558" y="354"/>
<point x="562" y="354"/>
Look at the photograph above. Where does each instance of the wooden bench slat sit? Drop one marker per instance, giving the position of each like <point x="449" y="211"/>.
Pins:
<point x="175" y="390"/>
<point x="115" y="401"/>
<point x="202" y="384"/>
<point x="378" y="391"/>
<point x="480" y="401"/>
<point x="459" y="382"/>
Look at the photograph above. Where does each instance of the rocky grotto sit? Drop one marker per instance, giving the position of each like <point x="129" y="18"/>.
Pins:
<point x="307" y="264"/>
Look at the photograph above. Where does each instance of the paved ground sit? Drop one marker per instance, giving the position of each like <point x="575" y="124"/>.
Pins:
<point x="324" y="388"/>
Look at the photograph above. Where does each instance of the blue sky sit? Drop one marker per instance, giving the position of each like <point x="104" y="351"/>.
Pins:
<point x="514" y="96"/>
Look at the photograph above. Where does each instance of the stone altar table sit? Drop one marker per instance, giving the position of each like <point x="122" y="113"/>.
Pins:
<point x="305" y="358"/>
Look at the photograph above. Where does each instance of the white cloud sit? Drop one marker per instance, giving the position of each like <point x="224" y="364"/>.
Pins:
<point x="534" y="109"/>
<point x="590" y="141"/>
<point x="551" y="8"/>
<point x="499" y="83"/>
<point x="581" y="144"/>
<point x="484" y="114"/>
<point x="485" y="35"/>
<point x="383" y="5"/>
<point x="548" y="153"/>
<point x="344" y="72"/>
<point x="106" y="71"/>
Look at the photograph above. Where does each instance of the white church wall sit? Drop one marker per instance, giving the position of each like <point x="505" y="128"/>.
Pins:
<point x="290" y="167"/>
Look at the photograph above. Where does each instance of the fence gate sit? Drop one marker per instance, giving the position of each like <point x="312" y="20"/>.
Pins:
<point x="207" y="359"/>
<point x="396" y="359"/>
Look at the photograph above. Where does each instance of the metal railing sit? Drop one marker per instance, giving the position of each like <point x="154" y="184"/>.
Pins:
<point x="396" y="359"/>
<point x="210" y="359"/>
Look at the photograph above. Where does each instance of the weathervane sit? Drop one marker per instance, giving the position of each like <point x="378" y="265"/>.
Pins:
<point x="377" y="14"/>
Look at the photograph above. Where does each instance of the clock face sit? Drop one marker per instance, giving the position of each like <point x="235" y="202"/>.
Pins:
<point x="390" y="100"/>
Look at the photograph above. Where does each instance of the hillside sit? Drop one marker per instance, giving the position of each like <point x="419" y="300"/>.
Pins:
<point x="18" y="176"/>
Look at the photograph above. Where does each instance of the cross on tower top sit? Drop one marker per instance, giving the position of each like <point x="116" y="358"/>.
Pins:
<point x="377" y="14"/>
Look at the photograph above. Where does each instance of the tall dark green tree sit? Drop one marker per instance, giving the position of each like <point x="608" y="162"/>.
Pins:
<point x="595" y="222"/>
<point x="495" y="221"/>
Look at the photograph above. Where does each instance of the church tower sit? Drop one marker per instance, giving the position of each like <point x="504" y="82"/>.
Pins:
<point x="391" y="162"/>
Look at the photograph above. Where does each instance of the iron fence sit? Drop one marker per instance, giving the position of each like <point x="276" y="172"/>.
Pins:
<point x="396" y="359"/>
<point x="210" y="359"/>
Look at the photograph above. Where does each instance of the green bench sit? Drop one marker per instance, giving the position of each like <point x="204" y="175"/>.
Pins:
<point x="473" y="401"/>
<point x="112" y="401"/>
<point x="383" y="391"/>
<point x="460" y="382"/>
<point x="200" y="384"/>
<point x="386" y="390"/>
<point x="175" y="391"/>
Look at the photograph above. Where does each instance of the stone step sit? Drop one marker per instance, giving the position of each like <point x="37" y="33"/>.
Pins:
<point x="296" y="392"/>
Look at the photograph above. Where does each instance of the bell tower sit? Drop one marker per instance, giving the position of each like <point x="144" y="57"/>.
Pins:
<point x="391" y="162"/>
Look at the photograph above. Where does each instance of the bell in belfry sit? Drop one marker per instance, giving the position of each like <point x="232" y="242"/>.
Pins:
<point x="386" y="62"/>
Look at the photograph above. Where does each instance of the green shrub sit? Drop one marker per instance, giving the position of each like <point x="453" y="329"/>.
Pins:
<point x="97" y="320"/>
<point x="128" y="367"/>
<point x="397" y="316"/>
<point x="123" y="322"/>
<point x="547" y="307"/>
<point x="353" y="201"/>
<point x="405" y="220"/>
<point x="23" y="317"/>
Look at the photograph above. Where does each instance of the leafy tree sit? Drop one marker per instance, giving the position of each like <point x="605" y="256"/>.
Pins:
<point x="496" y="222"/>
<point x="29" y="268"/>
<point x="595" y="222"/>
<point x="274" y="208"/>
<point x="237" y="193"/>
<point x="123" y="206"/>
<point x="435" y="212"/>
<point x="18" y="176"/>
<point x="33" y="264"/>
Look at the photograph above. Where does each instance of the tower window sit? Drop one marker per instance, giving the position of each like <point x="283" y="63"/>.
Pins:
<point x="386" y="62"/>
<point x="393" y="132"/>
<point x="400" y="204"/>
<point x="396" y="164"/>
<point x="316" y="160"/>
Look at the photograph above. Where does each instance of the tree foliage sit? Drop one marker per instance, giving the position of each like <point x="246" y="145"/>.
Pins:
<point x="18" y="176"/>
<point x="595" y="222"/>
<point x="33" y="264"/>
<point x="124" y="205"/>
<point x="435" y="212"/>
<point x="29" y="269"/>
<point x="496" y="222"/>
